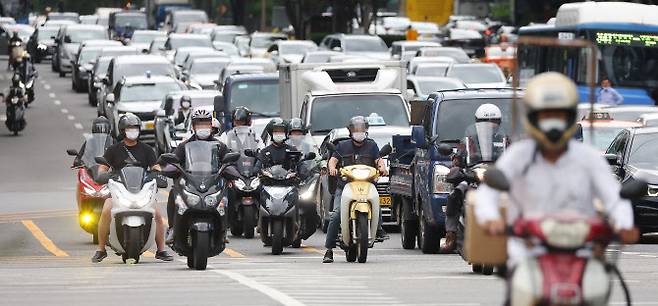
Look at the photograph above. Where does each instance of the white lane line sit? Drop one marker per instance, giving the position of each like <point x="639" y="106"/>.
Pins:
<point x="57" y="102"/>
<point x="51" y="95"/>
<point x="70" y="117"/>
<point x="80" y="127"/>
<point x="64" y="111"/>
<point x="42" y="82"/>
<point x="3" y="117"/>
<point x="46" y="86"/>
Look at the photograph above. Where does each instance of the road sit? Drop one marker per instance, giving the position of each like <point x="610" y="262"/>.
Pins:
<point x="45" y="256"/>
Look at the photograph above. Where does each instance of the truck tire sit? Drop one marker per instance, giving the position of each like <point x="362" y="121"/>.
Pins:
<point x="429" y="237"/>
<point x="408" y="228"/>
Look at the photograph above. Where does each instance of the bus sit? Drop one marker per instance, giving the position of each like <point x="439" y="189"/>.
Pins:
<point x="626" y="35"/>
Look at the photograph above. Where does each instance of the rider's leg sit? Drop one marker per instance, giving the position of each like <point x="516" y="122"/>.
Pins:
<point x="333" y="228"/>
<point x="104" y="224"/>
<point x="453" y="208"/>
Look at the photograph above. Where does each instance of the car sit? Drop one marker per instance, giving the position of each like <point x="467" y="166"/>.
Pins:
<point x="200" y="28"/>
<point x="157" y="46"/>
<point x="393" y="25"/>
<point x="259" y="42"/>
<point x="96" y="74"/>
<point x="58" y="23"/>
<point x="600" y="132"/>
<point x="123" y="24"/>
<point x="423" y="86"/>
<point x="142" y="39"/>
<point x="178" y="20"/>
<point x="41" y="44"/>
<point x="167" y="134"/>
<point x="632" y="155"/>
<point x="228" y="48"/>
<point x="245" y="66"/>
<point x="7" y="31"/>
<point x="182" y="53"/>
<point x="202" y="72"/>
<point x="88" y="19"/>
<point x="456" y="53"/>
<point x="70" y="16"/>
<point x="407" y="49"/>
<point x="223" y="35"/>
<point x="193" y="56"/>
<point x="83" y="64"/>
<point x="478" y="75"/>
<point x="414" y="62"/>
<point x="68" y="41"/>
<point x="258" y="91"/>
<point x="648" y="120"/>
<point x="290" y="51"/>
<point x="175" y="41"/>
<point x="359" y="45"/>
<point x="142" y="96"/>
<point x="629" y="113"/>
<point x="321" y="56"/>
<point x="430" y="69"/>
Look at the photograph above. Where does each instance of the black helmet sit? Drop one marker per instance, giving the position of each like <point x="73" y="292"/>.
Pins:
<point x="185" y="99"/>
<point x="201" y="115"/>
<point x="357" y="121"/>
<point x="128" y="120"/>
<point x="241" y="113"/>
<point x="101" y="125"/>
<point x="296" y="124"/>
<point x="277" y="123"/>
<point x="16" y="79"/>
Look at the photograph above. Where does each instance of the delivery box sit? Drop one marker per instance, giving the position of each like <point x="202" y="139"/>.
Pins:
<point x="479" y="246"/>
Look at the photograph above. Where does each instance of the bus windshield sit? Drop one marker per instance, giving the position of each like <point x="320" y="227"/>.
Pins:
<point x="630" y="66"/>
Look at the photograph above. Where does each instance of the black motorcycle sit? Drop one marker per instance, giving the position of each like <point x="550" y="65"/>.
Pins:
<point x="28" y="77"/>
<point x="309" y="175"/>
<point x="200" y="221"/>
<point x="16" y="109"/>
<point x="244" y="197"/>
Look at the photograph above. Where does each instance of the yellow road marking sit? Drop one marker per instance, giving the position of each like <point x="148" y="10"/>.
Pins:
<point x="43" y="239"/>
<point x="233" y="253"/>
<point x="309" y="249"/>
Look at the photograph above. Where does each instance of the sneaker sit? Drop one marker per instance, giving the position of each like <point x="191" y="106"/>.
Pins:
<point x="382" y="235"/>
<point x="170" y="236"/>
<point x="164" y="256"/>
<point x="328" y="257"/>
<point x="99" y="256"/>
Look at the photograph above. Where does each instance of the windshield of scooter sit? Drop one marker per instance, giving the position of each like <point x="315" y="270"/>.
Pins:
<point x="202" y="157"/>
<point x="132" y="178"/>
<point x="278" y="172"/>
<point x="95" y="146"/>
<point x="239" y="139"/>
<point x="303" y="143"/>
<point x="483" y="143"/>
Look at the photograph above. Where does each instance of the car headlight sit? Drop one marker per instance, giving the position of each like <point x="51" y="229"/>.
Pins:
<point x="439" y="180"/>
<point x="254" y="183"/>
<point x="240" y="184"/>
<point x="192" y="199"/>
<point x="360" y="174"/>
<point x="212" y="199"/>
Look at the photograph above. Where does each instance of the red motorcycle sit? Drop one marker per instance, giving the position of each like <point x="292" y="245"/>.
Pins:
<point x="90" y="195"/>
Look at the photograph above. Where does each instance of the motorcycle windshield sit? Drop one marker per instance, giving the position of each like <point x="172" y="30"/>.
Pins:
<point x="483" y="144"/>
<point x="246" y="165"/>
<point x="201" y="157"/>
<point x="278" y="172"/>
<point x="132" y="178"/>
<point x="303" y="143"/>
<point x="95" y="146"/>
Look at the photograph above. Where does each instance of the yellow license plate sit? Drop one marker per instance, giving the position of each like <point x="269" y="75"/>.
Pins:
<point x="149" y="125"/>
<point x="385" y="201"/>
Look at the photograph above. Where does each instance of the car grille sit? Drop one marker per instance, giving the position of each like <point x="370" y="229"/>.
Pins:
<point x="383" y="188"/>
<point x="146" y="116"/>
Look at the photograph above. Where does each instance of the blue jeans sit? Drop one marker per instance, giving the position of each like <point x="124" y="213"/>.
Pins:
<point x="334" y="221"/>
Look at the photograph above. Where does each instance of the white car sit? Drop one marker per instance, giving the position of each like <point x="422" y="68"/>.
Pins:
<point x="478" y="75"/>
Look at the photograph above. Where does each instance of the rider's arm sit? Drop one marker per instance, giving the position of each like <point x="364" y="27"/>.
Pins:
<point x="381" y="166"/>
<point x="333" y="162"/>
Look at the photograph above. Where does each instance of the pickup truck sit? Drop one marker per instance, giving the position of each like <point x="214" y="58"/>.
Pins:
<point x="418" y="169"/>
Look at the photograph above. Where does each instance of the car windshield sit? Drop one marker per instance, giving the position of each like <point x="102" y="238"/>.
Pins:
<point x="101" y="66"/>
<point x="137" y="69"/>
<point x="258" y="96"/>
<point x="431" y="70"/>
<point x="147" y="92"/>
<point x="603" y="136"/>
<point x="46" y="34"/>
<point x="88" y="54"/>
<point x="473" y="74"/>
<point x="189" y="42"/>
<point x="264" y="41"/>
<point x="296" y="48"/>
<point x="145" y="37"/>
<point x="134" y="21"/>
<point x="208" y="67"/>
<point x="429" y="86"/>
<point x="365" y="45"/>
<point x="324" y="116"/>
<point x="80" y="35"/>
<point x="630" y="66"/>
<point x="456" y="116"/>
<point x="643" y="153"/>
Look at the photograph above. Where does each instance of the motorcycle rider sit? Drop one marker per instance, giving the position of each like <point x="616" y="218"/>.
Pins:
<point x="486" y="127"/>
<point x="100" y="125"/>
<point x="275" y="153"/>
<point x="550" y="172"/>
<point x="16" y="90"/>
<point x="202" y="127"/>
<point x="14" y="38"/>
<point x="117" y="155"/>
<point x="184" y="110"/>
<point x="297" y="134"/>
<point x="357" y="150"/>
<point x="241" y="136"/>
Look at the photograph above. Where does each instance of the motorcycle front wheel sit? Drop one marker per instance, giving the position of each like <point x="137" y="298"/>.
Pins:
<point x="200" y="250"/>
<point x="248" y="221"/>
<point x="363" y="230"/>
<point x="277" y="237"/>
<point x="133" y="244"/>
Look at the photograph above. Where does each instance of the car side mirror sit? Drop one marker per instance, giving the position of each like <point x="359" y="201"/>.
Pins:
<point x="250" y="153"/>
<point x="231" y="158"/>
<point x="72" y="152"/>
<point x="633" y="189"/>
<point x="445" y="149"/>
<point x="310" y="156"/>
<point x="385" y="150"/>
<point x="101" y="161"/>
<point x="109" y="98"/>
<point x="612" y="159"/>
<point x="496" y="179"/>
<point x="418" y="136"/>
<point x="168" y="158"/>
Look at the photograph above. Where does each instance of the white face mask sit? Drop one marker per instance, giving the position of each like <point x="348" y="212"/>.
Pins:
<point x="359" y="136"/>
<point x="203" y="133"/>
<point x="132" y="134"/>
<point x="279" y="137"/>
<point x="185" y="105"/>
<point x="553" y="128"/>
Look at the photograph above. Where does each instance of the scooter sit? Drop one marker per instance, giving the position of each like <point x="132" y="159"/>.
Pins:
<point x="28" y="78"/>
<point x="309" y="174"/>
<point x="133" y="190"/>
<point x="16" y="111"/>
<point x="360" y="208"/>
<point x="244" y="198"/>
<point x="200" y="221"/>
<point x="16" y="52"/>
<point x="90" y="195"/>
<point x="567" y="264"/>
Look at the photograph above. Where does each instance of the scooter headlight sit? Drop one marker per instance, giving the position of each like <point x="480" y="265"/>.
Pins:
<point x="104" y="191"/>
<point x="192" y="199"/>
<point x="212" y="199"/>
<point x="254" y="183"/>
<point x="308" y="194"/>
<point x="134" y="200"/>
<point x="240" y="184"/>
<point x="360" y="174"/>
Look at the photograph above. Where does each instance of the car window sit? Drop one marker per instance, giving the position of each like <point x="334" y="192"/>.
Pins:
<point x="617" y="145"/>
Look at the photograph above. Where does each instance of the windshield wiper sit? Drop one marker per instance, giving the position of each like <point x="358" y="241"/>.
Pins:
<point x="263" y="114"/>
<point x="322" y="131"/>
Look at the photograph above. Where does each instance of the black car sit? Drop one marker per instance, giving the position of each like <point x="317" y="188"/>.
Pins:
<point x="633" y="155"/>
<point x="42" y="44"/>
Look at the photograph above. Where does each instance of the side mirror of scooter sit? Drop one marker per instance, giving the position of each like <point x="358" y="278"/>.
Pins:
<point x="385" y="150"/>
<point x="161" y="180"/>
<point x="72" y="152"/>
<point x="496" y="179"/>
<point x="250" y="153"/>
<point x="168" y="158"/>
<point x="231" y="158"/>
<point x="310" y="156"/>
<point x="101" y="161"/>
<point x="445" y="149"/>
<point x="633" y="189"/>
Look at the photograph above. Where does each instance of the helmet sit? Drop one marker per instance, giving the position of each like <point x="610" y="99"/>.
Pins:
<point x="101" y="125"/>
<point x="551" y="91"/>
<point x="187" y="99"/>
<point x="16" y="79"/>
<point x="241" y="113"/>
<point x="296" y="124"/>
<point x="128" y="120"/>
<point x="357" y="121"/>
<point x="201" y="115"/>
<point x="277" y="123"/>
<point x="488" y="113"/>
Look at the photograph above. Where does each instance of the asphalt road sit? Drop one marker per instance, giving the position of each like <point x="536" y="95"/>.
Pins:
<point x="45" y="256"/>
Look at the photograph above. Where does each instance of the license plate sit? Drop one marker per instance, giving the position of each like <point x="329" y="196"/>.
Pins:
<point x="149" y="125"/>
<point x="385" y="201"/>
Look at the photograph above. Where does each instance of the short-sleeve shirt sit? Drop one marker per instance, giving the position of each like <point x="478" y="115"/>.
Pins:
<point x="366" y="154"/>
<point x="274" y="155"/>
<point x="117" y="155"/>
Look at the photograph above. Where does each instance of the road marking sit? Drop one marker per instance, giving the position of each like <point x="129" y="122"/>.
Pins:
<point x="78" y="126"/>
<point x="64" y="111"/>
<point x="309" y="249"/>
<point x="232" y="252"/>
<point x="46" y="86"/>
<point x="57" y="102"/>
<point x="51" y="95"/>
<point x="43" y="239"/>
<point x="276" y="295"/>
<point x="70" y="117"/>
<point x="3" y="117"/>
<point x="15" y="217"/>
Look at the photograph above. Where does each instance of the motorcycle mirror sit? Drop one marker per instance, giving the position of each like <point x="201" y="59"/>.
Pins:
<point x="496" y="179"/>
<point x="168" y="158"/>
<point x="72" y="152"/>
<point x="331" y="147"/>
<point x="231" y="157"/>
<point x="250" y="153"/>
<point x="310" y="156"/>
<point x="161" y="181"/>
<point x="445" y="149"/>
<point x="101" y="160"/>
<point x="633" y="189"/>
<point x="385" y="150"/>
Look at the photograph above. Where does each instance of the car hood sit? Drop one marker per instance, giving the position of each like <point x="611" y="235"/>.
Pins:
<point x="650" y="175"/>
<point x="138" y="106"/>
<point x="374" y="55"/>
<point x="293" y="58"/>
<point x="204" y="79"/>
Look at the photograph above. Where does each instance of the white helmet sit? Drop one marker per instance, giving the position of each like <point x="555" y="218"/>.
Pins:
<point x="551" y="91"/>
<point x="488" y="112"/>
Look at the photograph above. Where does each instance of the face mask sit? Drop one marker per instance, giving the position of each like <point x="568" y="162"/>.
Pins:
<point x="359" y="136"/>
<point x="132" y="134"/>
<point x="552" y="128"/>
<point x="203" y="133"/>
<point x="185" y="105"/>
<point x="279" y="137"/>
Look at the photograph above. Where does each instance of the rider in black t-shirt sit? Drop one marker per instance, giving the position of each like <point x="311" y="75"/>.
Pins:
<point x="277" y="152"/>
<point x="129" y="150"/>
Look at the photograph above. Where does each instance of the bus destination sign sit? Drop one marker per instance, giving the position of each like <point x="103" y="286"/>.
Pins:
<point x="626" y="39"/>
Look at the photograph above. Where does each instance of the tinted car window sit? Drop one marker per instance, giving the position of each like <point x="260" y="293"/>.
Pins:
<point x="455" y="116"/>
<point x="643" y="152"/>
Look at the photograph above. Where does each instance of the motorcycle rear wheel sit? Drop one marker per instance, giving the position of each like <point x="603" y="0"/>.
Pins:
<point x="200" y="250"/>
<point x="277" y="237"/>
<point x="362" y="237"/>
